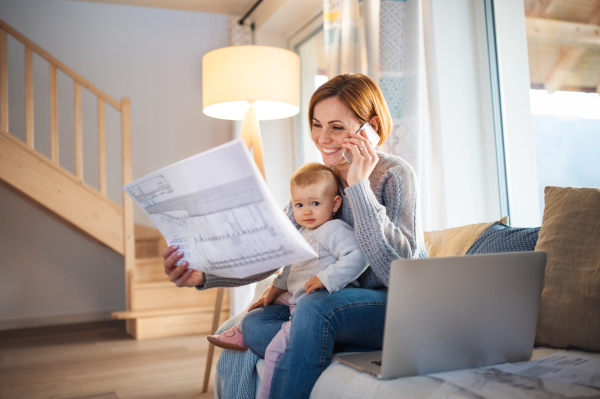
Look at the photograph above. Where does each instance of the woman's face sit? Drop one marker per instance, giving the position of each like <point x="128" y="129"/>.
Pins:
<point x="332" y="123"/>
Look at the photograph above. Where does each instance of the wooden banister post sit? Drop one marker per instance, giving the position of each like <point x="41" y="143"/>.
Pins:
<point x="78" y="132"/>
<point x="3" y="82"/>
<point x="29" y="137"/>
<point x="128" y="228"/>
<point x="53" y="115"/>
<point x="101" y="148"/>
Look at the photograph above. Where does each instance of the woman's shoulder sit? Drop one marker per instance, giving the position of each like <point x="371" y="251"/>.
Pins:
<point x="392" y="166"/>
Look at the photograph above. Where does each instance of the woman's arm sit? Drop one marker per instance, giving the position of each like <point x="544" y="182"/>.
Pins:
<point x="212" y="281"/>
<point x="389" y="232"/>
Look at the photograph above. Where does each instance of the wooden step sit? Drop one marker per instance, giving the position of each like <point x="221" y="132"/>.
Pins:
<point x="173" y="325"/>
<point x="149" y="242"/>
<point x="132" y="314"/>
<point x="169" y="323"/>
<point x="150" y="270"/>
<point x="166" y="295"/>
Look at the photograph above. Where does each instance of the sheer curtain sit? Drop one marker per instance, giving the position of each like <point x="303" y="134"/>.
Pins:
<point x="403" y="80"/>
<point x="393" y="37"/>
<point x="341" y="28"/>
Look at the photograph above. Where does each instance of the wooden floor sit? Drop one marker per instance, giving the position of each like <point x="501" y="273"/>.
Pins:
<point x="98" y="360"/>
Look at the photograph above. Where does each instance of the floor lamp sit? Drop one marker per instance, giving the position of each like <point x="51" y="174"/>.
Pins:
<point x="251" y="83"/>
<point x="248" y="83"/>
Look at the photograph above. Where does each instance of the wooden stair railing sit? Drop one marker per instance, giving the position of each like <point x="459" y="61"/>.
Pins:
<point x="44" y="179"/>
<point x="154" y="306"/>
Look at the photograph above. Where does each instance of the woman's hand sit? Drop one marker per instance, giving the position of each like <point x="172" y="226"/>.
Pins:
<point x="270" y="294"/>
<point x="180" y="274"/>
<point x="312" y="285"/>
<point x="364" y="157"/>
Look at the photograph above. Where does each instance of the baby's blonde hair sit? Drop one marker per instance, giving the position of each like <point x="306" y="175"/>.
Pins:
<point x="312" y="173"/>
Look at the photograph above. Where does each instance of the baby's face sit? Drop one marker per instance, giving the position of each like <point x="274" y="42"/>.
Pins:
<point x="314" y="204"/>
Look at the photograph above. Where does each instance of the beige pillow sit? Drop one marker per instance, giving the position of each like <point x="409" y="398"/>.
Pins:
<point x="569" y="313"/>
<point x="455" y="241"/>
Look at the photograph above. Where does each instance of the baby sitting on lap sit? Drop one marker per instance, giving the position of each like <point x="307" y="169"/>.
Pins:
<point x="340" y="261"/>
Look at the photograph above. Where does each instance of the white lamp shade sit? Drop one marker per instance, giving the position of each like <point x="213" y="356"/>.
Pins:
<point x="268" y="77"/>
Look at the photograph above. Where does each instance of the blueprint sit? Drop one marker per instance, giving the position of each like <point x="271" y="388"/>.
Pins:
<point x="217" y="208"/>
<point x="564" y="366"/>
<point x="493" y="383"/>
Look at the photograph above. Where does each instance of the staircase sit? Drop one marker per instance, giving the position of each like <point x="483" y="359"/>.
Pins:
<point x="155" y="307"/>
<point x="158" y="307"/>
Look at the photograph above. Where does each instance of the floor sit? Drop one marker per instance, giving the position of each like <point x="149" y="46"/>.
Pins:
<point x="99" y="361"/>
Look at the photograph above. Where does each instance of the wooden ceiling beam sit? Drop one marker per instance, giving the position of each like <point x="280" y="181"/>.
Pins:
<point x="563" y="32"/>
<point x="569" y="57"/>
<point x="565" y="63"/>
<point x="541" y="8"/>
<point x="549" y="8"/>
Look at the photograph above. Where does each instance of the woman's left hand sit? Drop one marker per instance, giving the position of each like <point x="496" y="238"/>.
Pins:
<point x="364" y="157"/>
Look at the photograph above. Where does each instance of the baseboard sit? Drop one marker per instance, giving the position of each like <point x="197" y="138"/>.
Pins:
<point x="54" y="320"/>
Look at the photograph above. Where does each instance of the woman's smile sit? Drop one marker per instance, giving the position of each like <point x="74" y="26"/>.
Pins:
<point x="330" y="151"/>
<point x="331" y="125"/>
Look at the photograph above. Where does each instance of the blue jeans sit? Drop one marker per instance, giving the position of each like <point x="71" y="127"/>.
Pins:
<point x="351" y="319"/>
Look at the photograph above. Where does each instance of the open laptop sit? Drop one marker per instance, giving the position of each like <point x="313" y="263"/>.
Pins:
<point x="456" y="313"/>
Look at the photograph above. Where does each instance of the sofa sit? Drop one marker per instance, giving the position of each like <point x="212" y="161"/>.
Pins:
<point x="569" y="315"/>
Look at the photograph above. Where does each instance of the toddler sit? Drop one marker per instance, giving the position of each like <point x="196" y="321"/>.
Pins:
<point x="340" y="261"/>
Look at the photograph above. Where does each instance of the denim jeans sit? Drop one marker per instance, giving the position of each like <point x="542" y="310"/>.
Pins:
<point x="349" y="319"/>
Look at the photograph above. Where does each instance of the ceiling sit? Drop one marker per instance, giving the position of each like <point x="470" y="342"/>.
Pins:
<point x="234" y="7"/>
<point x="279" y="16"/>
<point x="563" y="40"/>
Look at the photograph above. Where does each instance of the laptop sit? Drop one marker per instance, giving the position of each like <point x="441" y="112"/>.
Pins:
<point x="456" y="313"/>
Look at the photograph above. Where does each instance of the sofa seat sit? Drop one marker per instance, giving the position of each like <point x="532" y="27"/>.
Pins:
<point x="340" y="381"/>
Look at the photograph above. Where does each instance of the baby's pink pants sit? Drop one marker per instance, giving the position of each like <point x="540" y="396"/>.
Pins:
<point x="276" y="348"/>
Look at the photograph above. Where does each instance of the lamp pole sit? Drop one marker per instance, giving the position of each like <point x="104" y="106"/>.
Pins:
<point x="251" y="136"/>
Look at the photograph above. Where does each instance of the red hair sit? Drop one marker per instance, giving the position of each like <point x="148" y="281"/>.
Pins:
<point x="361" y="95"/>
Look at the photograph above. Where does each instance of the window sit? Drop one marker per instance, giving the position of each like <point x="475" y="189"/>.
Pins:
<point x="564" y="71"/>
<point x="311" y="50"/>
<point x="312" y="74"/>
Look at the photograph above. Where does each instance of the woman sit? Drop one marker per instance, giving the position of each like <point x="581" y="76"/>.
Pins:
<point x="379" y="199"/>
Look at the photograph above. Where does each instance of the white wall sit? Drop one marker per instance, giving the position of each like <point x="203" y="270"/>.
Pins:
<point x="459" y="92"/>
<point x="48" y="268"/>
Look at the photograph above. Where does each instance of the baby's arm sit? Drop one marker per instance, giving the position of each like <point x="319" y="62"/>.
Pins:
<point x="341" y="242"/>
<point x="277" y="287"/>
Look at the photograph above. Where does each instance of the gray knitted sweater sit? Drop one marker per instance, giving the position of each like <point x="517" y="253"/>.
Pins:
<point x="339" y="264"/>
<point x="384" y="212"/>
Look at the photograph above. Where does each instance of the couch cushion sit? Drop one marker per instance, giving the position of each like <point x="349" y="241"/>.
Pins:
<point x="455" y="241"/>
<point x="570" y="307"/>
<point x="500" y="238"/>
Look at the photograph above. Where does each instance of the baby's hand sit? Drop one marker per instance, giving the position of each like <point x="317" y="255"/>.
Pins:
<point x="268" y="296"/>
<point x="312" y="285"/>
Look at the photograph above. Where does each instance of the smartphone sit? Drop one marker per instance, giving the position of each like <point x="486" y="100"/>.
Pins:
<point x="372" y="136"/>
